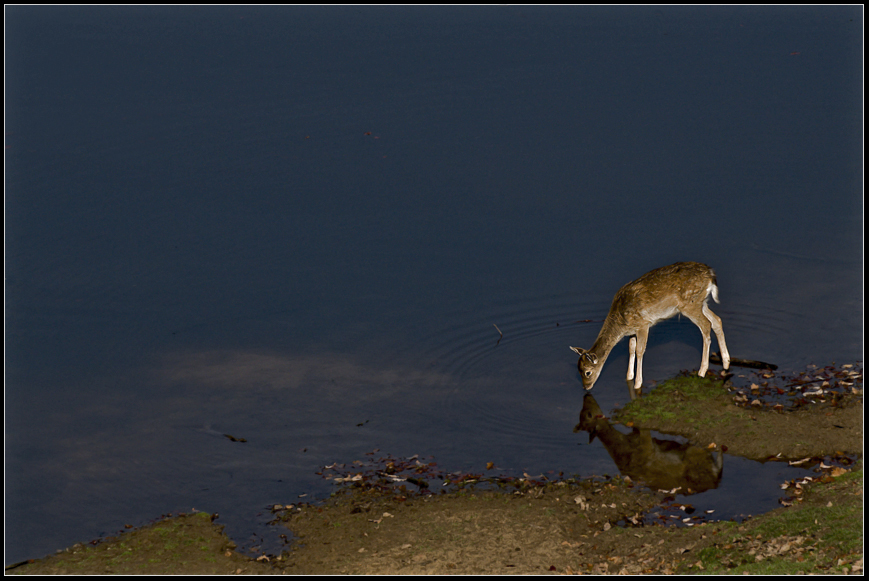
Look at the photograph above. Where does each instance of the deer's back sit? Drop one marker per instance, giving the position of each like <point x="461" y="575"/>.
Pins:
<point x="663" y="292"/>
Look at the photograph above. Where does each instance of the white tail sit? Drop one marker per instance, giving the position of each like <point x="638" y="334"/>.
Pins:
<point x="684" y="288"/>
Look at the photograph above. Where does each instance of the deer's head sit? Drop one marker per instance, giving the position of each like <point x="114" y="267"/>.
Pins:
<point x="589" y="366"/>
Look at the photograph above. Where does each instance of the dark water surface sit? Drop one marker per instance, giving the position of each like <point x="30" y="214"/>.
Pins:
<point x="281" y="223"/>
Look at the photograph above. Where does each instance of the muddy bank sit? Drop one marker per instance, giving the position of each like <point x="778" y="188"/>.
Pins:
<point x="541" y="529"/>
<point x="573" y="528"/>
<point x="556" y="528"/>
<point x="389" y="521"/>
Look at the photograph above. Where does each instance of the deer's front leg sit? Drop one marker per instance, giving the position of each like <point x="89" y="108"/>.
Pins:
<point x="704" y="361"/>
<point x="632" y="350"/>
<point x="640" y="346"/>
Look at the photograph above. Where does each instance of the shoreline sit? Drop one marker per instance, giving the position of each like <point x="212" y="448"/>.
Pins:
<point x="384" y="521"/>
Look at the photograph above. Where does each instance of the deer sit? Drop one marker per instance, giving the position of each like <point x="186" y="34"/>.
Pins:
<point x="684" y="287"/>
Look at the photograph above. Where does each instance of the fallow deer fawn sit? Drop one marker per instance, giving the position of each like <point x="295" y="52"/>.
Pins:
<point x="684" y="288"/>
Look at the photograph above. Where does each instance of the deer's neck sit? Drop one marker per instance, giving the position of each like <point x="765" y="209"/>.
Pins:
<point x="619" y="445"/>
<point x="611" y="333"/>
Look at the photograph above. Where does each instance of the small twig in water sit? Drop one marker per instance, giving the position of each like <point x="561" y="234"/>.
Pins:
<point x="499" y="332"/>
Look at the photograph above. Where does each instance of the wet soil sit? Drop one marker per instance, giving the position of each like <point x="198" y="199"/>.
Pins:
<point x="389" y="516"/>
<point x="567" y="528"/>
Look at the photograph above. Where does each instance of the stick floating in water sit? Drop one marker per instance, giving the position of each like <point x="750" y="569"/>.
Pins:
<point x="499" y="332"/>
<point x="716" y="359"/>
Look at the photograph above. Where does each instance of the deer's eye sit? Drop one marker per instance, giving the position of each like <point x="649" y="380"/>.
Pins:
<point x="588" y="373"/>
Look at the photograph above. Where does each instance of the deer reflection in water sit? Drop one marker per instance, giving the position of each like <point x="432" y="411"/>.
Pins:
<point x="660" y="464"/>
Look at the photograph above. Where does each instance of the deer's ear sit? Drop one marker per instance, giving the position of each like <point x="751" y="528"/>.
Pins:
<point x="577" y="350"/>
<point x="591" y="357"/>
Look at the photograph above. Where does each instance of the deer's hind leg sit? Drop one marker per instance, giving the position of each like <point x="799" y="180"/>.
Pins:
<point x="715" y="321"/>
<point x="698" y="317"/>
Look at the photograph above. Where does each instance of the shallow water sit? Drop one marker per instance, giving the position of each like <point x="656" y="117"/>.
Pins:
<point x="301" y="226"/>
